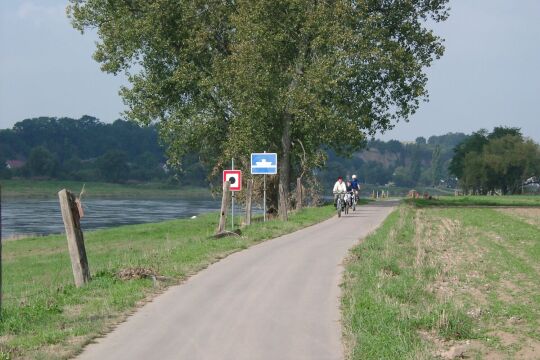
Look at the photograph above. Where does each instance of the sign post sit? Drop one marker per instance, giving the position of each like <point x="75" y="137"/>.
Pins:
<point x="232" y="200"/>
<point x="234" y="177"/>
<point x="263" y="164"/>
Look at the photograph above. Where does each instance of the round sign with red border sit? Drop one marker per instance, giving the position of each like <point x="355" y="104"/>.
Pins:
<point x="234" y="177"/>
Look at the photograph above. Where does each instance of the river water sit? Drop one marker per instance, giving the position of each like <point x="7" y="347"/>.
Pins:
<point x="25" y="217"/>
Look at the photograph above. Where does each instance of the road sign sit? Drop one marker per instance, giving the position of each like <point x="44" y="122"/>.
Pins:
<point x="234" y="177"/>
<point x="264" y="163"/>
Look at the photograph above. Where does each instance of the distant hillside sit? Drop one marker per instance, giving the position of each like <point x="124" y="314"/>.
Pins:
<point x="424" y="162"/>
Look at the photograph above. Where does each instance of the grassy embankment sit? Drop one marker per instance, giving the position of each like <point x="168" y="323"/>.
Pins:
<point x="46" y="317"/>
<point x="49" y="188"/>
<point x="446" y="283"/>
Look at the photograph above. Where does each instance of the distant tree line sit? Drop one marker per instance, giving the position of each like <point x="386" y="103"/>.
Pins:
<point x="420" y="163"/>
<point x="500" y="161"/>
<point x="90" y="150"/>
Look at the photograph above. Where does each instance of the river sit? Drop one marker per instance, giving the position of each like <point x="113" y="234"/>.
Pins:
<point x="25" y="217"/>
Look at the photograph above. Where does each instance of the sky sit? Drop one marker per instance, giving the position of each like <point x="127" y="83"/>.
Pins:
<point x="489" y="75"/>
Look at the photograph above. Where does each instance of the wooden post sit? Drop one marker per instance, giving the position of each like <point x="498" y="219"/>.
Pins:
<point x="282" y="204"/>
<point x="224" y="207"/>
<point x="74" y="234"/>
<point x="299" y="197"/>
<point x="247" y="220"/>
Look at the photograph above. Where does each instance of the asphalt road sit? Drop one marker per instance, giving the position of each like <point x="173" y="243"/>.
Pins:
<point x="277" y="300"/>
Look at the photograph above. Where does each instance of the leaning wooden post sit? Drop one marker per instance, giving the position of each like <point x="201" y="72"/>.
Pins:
<point x="299" y="197"/>
<point x="247" y="220"/>
<point x="224" y="207"/>
<point x="74" y="234"/>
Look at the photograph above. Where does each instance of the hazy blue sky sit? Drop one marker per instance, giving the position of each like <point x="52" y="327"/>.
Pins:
<point x="489" y="76"/>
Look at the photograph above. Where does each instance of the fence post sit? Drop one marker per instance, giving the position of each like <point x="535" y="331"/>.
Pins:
<point x="299" y="195"/>
<point x="75" y="238"/>
<point x="247" y="220"/>
<point x="224" y="207"/>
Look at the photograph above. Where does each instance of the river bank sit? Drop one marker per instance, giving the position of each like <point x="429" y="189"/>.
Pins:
<point x="22" y="217"/>
<point x="23" y="188"/>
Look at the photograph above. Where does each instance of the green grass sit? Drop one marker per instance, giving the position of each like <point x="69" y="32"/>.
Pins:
<point x="509" y="200"/>
<point x="434" y="278"/>
<point x="49" y="189"/>
<point x="46" y="317"/>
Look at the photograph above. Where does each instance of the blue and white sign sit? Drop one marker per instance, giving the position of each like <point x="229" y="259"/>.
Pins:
<point x="264" y="163"/>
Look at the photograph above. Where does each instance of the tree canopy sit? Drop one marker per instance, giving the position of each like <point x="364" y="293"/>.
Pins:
<point x="226" y="78"/>
<point x="501" y="160"/>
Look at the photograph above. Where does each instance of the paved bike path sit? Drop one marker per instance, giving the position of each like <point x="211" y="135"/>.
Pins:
<point x="277" y="300"/>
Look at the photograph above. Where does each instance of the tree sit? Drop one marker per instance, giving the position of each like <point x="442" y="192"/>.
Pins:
<point x="436" y="166"/>
<point x="113" y="166"/>
<point x="232" y="77"/>
<point x="41" y="162"/>
<point x="502" y="131"/>
<point x="420" y="140"/>
<point x="449" y="139"/>
<point x="501" y="160"/>
<point x="510" y="160"/>
<point x="474" y="143"/>
<point x="402" y="177"/>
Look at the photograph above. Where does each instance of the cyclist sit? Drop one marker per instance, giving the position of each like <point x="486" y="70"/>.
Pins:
<point x="355" y="186"/>
<point x="350" y="191"/>
<point x="349" y="186"/>
<point x="339" y="187"/>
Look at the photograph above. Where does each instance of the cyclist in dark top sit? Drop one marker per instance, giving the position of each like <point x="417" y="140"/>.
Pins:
<point x="355" y="186"/>
<point x="349" y="187"/>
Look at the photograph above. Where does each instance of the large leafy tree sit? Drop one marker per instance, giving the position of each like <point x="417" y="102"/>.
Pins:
<point x="500" y="160"/>
<point x="472" y="144"/>
<point x="228" y="77"/>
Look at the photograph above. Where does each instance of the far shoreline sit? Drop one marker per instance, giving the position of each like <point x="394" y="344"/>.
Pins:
<point x="48" y="189"/>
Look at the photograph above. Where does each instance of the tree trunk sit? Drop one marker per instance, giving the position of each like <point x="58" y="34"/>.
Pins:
<point x="285" y="166"/>
<point x="299" y="194"/>
<point x="247" y="220"/>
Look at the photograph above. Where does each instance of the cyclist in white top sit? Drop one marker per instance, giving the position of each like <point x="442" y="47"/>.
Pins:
<point x="339" y="187"/>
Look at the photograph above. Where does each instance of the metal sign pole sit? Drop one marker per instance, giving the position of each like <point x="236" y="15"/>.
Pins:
<point x="264" y="195"/>
<point x="232" y="200"/>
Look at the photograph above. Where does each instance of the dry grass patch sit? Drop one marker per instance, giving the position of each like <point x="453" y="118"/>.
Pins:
<point x="529" y="215"/>
<point x="445" y="283"/>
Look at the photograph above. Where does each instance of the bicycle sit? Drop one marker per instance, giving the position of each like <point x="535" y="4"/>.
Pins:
<point x="340" y="203"/>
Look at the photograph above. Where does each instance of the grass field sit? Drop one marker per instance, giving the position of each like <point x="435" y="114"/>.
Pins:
<point x="446" y="283"/>
<point x="50" y="188"/>
<point x="46" y="317"/>
<point x="510" y="200"/>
